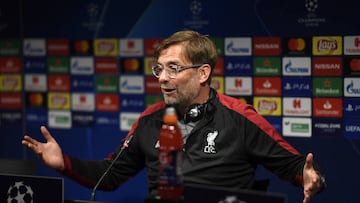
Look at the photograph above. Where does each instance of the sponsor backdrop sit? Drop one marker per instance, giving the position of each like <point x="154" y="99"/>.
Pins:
<point x="83" y="68"/>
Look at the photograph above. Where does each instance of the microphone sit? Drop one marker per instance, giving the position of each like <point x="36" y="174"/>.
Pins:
<point x="124" y="146"/>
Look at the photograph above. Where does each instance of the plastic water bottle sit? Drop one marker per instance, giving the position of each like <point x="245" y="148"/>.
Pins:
<point x="170" y="181"/>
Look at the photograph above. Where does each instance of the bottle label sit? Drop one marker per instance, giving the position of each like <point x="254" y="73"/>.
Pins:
<point x="170" y="173"/>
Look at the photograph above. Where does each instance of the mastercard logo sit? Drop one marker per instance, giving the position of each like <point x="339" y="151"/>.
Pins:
<point x="36" y="99"/>
<point x="131" y="65"/>
<point x="296" y="44"/>
<point x="82" y="46"/>
<point x="355" y="64"/>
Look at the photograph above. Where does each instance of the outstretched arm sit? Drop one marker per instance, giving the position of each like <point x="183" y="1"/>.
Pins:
<point x="313" y="181"/>
<point x="48" y="152"/>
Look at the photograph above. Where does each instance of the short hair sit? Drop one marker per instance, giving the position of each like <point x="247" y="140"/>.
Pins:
<point x="199" y="49"/>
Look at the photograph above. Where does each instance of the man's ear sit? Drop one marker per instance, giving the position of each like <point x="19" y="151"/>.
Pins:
<point x="204" y="71"/>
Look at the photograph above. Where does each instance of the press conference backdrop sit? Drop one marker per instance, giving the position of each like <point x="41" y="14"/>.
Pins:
<point x="82" y="68"/>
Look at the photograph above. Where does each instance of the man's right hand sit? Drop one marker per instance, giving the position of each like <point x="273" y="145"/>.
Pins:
<point x="49" y="152"/>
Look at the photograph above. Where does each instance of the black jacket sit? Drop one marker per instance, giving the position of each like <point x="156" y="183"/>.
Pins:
<point x="244" y="139"/>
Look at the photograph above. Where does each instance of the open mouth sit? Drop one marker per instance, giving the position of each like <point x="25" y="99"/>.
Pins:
<point x="168" y="90"/>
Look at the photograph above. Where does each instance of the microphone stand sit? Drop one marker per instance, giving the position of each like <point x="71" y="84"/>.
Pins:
<point x="124" y="146"/>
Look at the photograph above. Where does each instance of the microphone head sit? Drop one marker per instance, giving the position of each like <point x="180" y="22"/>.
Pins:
<point x="127" y="140"/>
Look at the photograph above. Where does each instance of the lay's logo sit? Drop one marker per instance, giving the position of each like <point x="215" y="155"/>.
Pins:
<point x="10" y="82"/>
<point x="330" y="45"/>
<point x="327" y="45"/>
<point x="57" y="100"/>
<point x="269" y="106"/>
<point x="105" y="47"/>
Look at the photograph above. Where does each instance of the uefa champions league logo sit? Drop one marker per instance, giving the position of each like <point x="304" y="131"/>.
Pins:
<point x="195" y="7"/>
<point x="19" y="193"/>
<point x="311" y="5"/>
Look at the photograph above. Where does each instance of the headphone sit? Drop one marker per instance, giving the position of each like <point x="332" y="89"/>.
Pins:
<point x="197" y="111"/>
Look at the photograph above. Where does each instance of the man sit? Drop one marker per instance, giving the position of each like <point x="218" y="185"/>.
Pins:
<point x="224" y="139"/>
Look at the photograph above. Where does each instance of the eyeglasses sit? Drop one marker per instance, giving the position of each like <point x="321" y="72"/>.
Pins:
<point x="171" y="70"/>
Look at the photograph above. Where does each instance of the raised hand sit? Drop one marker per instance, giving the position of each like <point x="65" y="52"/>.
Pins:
<point x="312" y="180"/>
<point x="48" y="152"/>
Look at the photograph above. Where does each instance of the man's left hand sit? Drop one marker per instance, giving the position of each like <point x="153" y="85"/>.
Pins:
<point x="313" y="183"/>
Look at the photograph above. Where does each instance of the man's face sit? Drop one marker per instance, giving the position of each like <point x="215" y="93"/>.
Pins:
<point x="182" y="90"/>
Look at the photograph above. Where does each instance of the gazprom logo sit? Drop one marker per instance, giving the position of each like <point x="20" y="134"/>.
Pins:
<point x="34" y="47"/>
<point x="296" y="66"/>
<point x="131" y="84"/>
<point x="351" y="87"/>
<point x="240" y="46"/>
<point x="82" y="65"/>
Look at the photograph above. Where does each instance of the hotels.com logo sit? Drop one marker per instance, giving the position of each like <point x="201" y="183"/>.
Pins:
<point x="238" y="82"/>
<point x="297" y="103"/>
<point x="356" y="42"/>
